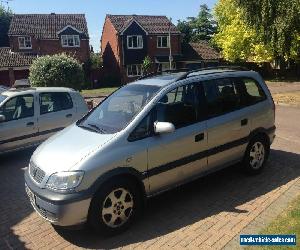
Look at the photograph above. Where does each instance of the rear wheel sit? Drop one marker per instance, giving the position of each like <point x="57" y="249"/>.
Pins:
<point x="115" y="206"/>
<point x="256" y="155"/>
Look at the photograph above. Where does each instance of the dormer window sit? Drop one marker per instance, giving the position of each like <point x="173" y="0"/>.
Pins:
<point x="25" y="42"/>
<point x="70" y="41"/>
<point x="163" y="42"/>
<point x="134" y="42"/>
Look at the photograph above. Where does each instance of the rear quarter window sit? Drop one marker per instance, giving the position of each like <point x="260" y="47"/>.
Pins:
<point x="251" y="91"/>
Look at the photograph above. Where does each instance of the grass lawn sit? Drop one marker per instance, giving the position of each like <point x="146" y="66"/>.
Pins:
<point x="286" y="223"/>
<point x="289" y="98"/>
<point x="98" y="92"/>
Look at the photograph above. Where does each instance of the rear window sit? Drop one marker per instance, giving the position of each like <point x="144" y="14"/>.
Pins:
<point x="54" y="102"/>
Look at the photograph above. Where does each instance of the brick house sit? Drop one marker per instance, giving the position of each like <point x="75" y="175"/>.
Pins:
<point x="128" y="39"/>
<point x="33" y="35"/>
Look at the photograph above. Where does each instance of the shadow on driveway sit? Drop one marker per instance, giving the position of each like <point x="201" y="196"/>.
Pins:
<point x="220" y="192"/>
<point x="14" y="205"/>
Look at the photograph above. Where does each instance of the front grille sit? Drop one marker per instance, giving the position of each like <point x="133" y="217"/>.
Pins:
<point x="36" y="173"/>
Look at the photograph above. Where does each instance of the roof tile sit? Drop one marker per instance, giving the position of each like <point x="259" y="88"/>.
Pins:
<point x="46" y="26"/>
<point x="152" y="24"/>
<point x="11" y="59"/>
<point x="200" y="51"/>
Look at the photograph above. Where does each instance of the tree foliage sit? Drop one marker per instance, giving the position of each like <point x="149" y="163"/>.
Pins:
<point x="185" y="28"/>
<point x="56" y="71"/>
<point x="5" y="18"/>
<point x="236" y="39"/>
<point x="95" y="61"/>
<point x="278" y="22"/>
<point x="147" y="64"/>
<point x="198" y="28"/>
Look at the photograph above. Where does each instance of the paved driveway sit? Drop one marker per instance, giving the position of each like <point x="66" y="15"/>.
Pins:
<point x="205" y="214"/>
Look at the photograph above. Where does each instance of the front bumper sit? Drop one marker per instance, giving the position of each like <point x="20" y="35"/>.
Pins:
<point x="58" y="209"/>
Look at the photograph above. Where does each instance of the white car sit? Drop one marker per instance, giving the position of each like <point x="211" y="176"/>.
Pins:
<point x="29" y="116"/>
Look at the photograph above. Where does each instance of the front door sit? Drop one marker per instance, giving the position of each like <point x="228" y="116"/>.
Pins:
<point x="178" y="156"/>
<point x="20" y="126"/>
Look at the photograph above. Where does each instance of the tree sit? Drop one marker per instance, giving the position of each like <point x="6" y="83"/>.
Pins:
<point x="185" y="28"/>
<point x="278" y="22"/>
<point x="203" y="26"/>
<point x="236" y="39"/>
<point x="95" y="61"/>
<point x="198" y="28"/>
<point x="5" y="18"/>
<point x="56" y="71"/>
<point x="147" y="65"/>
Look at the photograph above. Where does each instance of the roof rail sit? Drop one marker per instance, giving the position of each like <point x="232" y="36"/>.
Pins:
<point x="188" y="72"/>
<point x="161" y="72"/>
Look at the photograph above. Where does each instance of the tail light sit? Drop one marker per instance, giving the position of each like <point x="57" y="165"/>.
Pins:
<point x="273" y="107"/>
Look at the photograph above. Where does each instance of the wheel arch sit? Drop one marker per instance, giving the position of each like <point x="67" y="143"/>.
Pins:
<point x="121" y="172"/>
<point x="260" y="132"/>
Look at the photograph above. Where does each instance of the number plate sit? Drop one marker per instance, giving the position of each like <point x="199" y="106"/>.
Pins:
<point x="30" y="195"/>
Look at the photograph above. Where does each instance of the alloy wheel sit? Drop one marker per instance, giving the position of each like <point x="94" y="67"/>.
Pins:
<point x="257" y="155"/>
<point x="117" y="207"/>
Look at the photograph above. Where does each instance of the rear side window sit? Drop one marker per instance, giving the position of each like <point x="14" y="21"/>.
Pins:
<point x="222" y="96"/>
<point x="54" y="102"/>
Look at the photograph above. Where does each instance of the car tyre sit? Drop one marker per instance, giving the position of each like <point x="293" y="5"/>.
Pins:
<point x="115" y="206"/>
<point x="256" y="155"/>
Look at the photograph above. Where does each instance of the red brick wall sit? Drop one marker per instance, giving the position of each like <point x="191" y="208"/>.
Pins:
<point x="51" y="47"/>
<point x="8" y="80"/>
<point x="153" y="50"/>
<point x="4" y="78"/>
<point x="110" y="47"/>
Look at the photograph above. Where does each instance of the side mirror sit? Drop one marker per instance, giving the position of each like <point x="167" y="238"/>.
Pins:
<point x="2" y="118"/>
<point x="163" y="127"/>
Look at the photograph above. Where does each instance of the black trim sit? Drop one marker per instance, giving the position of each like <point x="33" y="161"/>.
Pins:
<point x="30" y="135"/>
<point x="206" y="153"/>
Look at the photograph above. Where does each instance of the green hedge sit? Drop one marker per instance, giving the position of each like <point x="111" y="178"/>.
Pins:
<point x="56" y="71"/>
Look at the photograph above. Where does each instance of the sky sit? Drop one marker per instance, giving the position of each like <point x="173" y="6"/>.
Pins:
<point x="96" y="10"/>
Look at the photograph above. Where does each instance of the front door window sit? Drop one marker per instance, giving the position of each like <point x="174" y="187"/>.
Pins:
<point x="18" y="107"/>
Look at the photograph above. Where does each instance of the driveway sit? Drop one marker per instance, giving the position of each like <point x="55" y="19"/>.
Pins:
<point x="205" y="214"/>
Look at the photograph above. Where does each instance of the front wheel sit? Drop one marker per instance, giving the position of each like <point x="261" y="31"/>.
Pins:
<point x="256" y="155"/>
<point x="115" y="206"/>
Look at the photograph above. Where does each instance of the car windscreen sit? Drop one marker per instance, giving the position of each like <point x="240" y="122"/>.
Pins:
<point x="2" y="98"/>
<point x="116" y="112"/>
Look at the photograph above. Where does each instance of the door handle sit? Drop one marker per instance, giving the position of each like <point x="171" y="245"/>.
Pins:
<point x="199" y="137"/>
<point x="244" y="122"/>
<point x="30" y="124"/>
<point x="69" y="115"/>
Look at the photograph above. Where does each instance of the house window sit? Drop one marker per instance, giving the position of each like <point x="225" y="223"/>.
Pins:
<point x="134" y="70"/>
<point x="163" y="42"/>
<point x="70" y="41"/>
<point x="134" y="42"/>
<point x="25" y="42"/>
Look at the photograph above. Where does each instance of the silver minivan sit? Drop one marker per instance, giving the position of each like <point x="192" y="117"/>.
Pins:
<point x="147" y="137"/>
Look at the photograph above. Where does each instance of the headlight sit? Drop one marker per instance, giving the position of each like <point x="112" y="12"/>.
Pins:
<point x="64" y="181"/>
